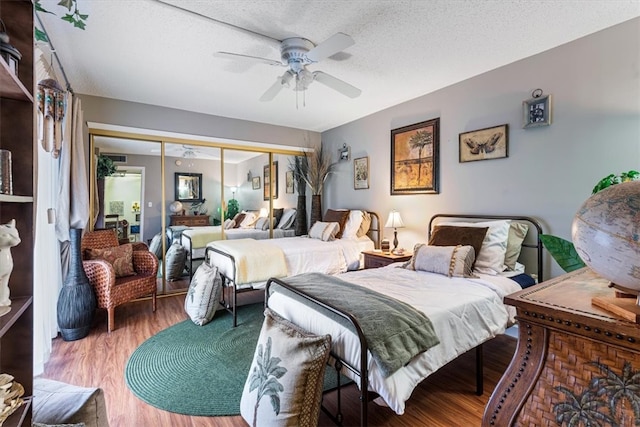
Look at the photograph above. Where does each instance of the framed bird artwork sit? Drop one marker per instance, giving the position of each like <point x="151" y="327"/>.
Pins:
<point x="484" y="144"/>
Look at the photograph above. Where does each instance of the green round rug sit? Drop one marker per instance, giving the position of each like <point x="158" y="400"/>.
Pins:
<point x="197" y="370"/>
<point x="200" y="370"/>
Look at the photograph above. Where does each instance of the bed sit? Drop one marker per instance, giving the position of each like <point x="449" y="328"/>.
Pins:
<point x="464" y="311"/>
<point x="242" y="266"/>
<point x="250" y="226"/>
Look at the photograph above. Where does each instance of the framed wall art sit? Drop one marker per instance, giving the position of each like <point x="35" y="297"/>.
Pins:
<point x="270" y="183"/>
<point x="289" y="183"/>
<point x="255" y="182"/>
<point x="361" y="173"/>
<point x="484" y="144"/>
<point x="414" y="158"/>
<point x="536" y="111"/>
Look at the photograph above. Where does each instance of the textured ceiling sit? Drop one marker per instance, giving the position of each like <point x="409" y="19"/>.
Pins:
<point x="146" y="51"/>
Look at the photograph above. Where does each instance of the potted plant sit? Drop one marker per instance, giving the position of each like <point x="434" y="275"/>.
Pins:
<point x="104" y="167"/>
<point x="300" y="167"/>
<point x="563" y="250"/>
<point x="319" y="166"/>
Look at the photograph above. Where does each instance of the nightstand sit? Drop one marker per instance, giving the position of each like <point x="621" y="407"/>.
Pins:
<point x="381" y="259"/>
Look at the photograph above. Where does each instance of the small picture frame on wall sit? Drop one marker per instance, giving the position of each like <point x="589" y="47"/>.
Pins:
<point x="255" y="182"/>
<point x="289" y="187"/>
<point x="361" y="173"/>
<point x="536" y="111"/>
<point x="270" y="182"/>
<point x="484" y="144"/>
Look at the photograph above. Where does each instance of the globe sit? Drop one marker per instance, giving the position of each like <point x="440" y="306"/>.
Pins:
<point x="606" y="234"/>
<point x="175" y="207"/>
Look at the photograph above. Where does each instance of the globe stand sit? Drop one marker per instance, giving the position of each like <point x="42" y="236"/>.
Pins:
<point x="623" y="304"/>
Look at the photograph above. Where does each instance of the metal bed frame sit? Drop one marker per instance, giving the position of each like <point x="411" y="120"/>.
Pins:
<point x="230" y="286"/>
<point x="362" y="372"/>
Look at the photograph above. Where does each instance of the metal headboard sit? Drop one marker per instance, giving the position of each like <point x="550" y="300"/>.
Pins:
<point x="530" y="242"/>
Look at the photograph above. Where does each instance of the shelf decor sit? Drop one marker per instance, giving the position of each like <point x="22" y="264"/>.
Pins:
<point x="77" y="300"/>
<point x="9" y="53"/>
<point x="8" y="238"/>
<point x="6" y="178"/>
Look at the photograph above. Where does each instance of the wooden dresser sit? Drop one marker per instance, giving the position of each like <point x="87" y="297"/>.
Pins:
<point x="569" y="353"/>
<point x="189" y="220"/>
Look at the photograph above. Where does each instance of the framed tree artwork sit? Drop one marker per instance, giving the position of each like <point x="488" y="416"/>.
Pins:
<point x="270" y="183"/>
<point x="414" y="158"/>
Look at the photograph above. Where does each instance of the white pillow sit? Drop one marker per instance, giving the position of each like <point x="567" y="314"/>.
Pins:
<point x="287" y="219"/>
<point x="353" y="225"/>
<point x="325" y="231"/>
<point x="229" y="223"/>
<point x="490" y="260"/>
<point x="249" y="220"/>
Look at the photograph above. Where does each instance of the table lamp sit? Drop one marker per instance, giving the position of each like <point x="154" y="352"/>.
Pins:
<point x="394" y="221"/>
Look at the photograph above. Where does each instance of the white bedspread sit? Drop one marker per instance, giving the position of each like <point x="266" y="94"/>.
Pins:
<point x="464" y="312"/>
<point x="250" y="256"/>
<point x="305" y="255"/>
<point x="212" y="233"/>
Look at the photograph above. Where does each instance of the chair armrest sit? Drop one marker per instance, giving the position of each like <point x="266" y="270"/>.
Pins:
<point x="145" y="262"/>
<point x="140" y="246"/>
<point x="100" y="273"/>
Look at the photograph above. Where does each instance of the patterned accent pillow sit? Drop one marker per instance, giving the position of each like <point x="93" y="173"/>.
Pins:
<point x="325" y="231"/>
<point x="175" y="258"/>
<point x="238" y="219"/>
<point x="203" y="295"/>
<point x="451" y="261"/>
<point x="340" y="217"/>
<point x="284" y="386"/>
<point x="120" y="257"/>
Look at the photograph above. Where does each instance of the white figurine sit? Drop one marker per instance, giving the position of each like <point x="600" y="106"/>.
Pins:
<point x="8" y="239"/>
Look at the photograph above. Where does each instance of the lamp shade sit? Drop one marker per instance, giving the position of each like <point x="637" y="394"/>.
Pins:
<point x="394" y="220"/>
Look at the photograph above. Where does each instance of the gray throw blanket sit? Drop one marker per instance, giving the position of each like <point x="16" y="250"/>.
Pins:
<point x="395" y="331"/>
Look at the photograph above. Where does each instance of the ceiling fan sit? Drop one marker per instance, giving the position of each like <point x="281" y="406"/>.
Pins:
<point x="296" y="54"/>
<point x="186" y="152"/>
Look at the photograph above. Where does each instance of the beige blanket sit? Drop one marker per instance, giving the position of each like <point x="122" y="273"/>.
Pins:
<point x="200" y="236"/>
<point x="256" y="260"/>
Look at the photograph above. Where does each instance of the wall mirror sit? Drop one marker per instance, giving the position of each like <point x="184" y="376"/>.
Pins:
<point x="188" y="187"/>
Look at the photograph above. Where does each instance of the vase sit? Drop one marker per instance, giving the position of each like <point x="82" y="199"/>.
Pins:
<point x="301" y="216"/>
<point x="316" y="208"/>
<point x="77" y="300"/>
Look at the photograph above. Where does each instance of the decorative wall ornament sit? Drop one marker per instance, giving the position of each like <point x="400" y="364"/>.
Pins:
<point x="51" y="110"/>
<point x="536" y="111"/>
<point x="344" y="153"/>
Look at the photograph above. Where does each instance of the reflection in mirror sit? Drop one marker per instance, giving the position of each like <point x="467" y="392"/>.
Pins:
<point x="191" y="212"/>
<point x="188" y="187"/>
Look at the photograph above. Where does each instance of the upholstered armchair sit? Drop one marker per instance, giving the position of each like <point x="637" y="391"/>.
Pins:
<point x="105" y="263"/>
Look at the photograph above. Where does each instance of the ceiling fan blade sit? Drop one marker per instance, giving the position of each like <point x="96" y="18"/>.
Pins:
<point x="334" y="44"/>
<point x="273" y="90"/>
<point x="337" y="84"/>
<point x="230" y="55"/>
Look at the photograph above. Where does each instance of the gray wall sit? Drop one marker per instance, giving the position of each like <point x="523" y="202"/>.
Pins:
<point x="550" y="171"/>
<point x="124" y="113"/>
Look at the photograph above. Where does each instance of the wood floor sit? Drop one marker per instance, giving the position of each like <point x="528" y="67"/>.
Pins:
<point x="444" y="399"/>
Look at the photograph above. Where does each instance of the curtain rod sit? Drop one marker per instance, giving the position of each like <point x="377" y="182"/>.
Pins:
<point x="55" y="53"/>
